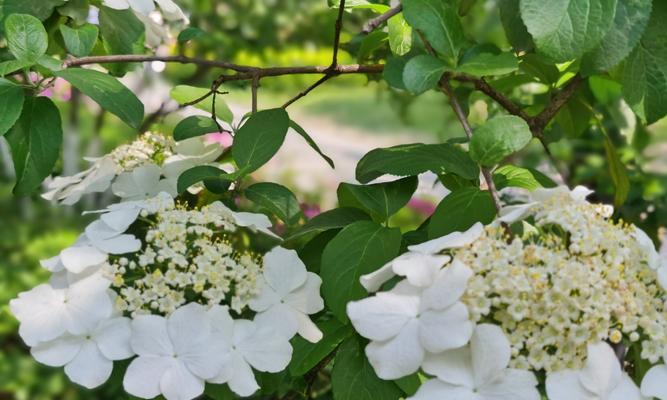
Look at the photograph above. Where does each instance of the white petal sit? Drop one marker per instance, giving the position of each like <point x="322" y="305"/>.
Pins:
<point x="113" y="338"/>
<point x="399" y="356"/>
<point x="437" y="390"/>
<point x="647" y="245"/>
<point x="564" y="385"/>
<point x="626" y="390"/>
<point x="420" y="269"/>
<point x="445" y="329"/>
<point x="121" y="219"/>
<point x="490" y="351"/>
<point x="52" y="264"/>
<point x="150" y="336"/>
<point x="78" y="258"/>
<point x="580" y="193"/>
<point x="514" y="384"/>
<point x="119" y="245"/>
<point x="516" y="212"/>
<point x="88" y="303"/>
<point x="266" y="297"/>
<point x="178" y="383"/>
<point x="242" y="380"/>
<point x="143" y="375"/>
<point x="41" y="312"/>
<point x="255" y="222"/>
<point x="89" y="368"/>
<point x="654" y="383"/>
<point x="188" y="326"/>
<point x="382" y="316"/>
<point x="451" y="241"/>
<point x="662" y="277"/>
<point x="451" y="366"/>
<point x="543" y="194"/>
<point x="306" y="298"/>
<point x="58" y="352"/>
<point x="99" y="230"/>
<point x="117" y="4"/>
<point x="222" y="324"/>
<point x="142" y="6"/>
<point x="263" y="349"/>
<point x="308" y="330"/>
<point x="283" y="270"/>
<point x="171" y="11"/>
<point x="283" y="318"/>
<point x="448" y="287"/>
<point x="373" y="281"/>
<point x="602" y="371"/>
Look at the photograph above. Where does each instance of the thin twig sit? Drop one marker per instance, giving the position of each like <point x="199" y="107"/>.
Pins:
<point x="338" y="29"/>
<point x="255" y="86"/>
<point x="483" y="86"/>
<point x="308" y="89"/>
<point x="541" y="120"/>
<point x="372" y="24"/>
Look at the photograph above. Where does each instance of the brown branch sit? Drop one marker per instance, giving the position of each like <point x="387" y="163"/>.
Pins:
<point x="338" y="29"/>
<point x="483" y="86"/>
<point x="541" y="120"/>
<point x="372" y="24"/>
<point x="308" y="89"/>
<point x="128" y="58"/>
<point x="254" y="88"/>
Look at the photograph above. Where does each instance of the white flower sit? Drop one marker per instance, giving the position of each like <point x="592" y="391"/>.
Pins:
<point x="253" y="221"/>
<point x="601" y="378"/>
<point x="654" y="383"/>
<point x="142" y="183"/>
<point x="250" y="344"/>
<point x="46" y="313"/>
<point x="69" y="189"/>
<point x="407" y="321"/>
<point x="169" y="9"/>
<point x="88" y="358"/>
<point x="288" y="294"/>
<point x="647" y="245"/>
<point x="478" y="371"/>
<point x="420" y="264"/>
<point x="176" y="354"/>
<point x="513" y="213"/>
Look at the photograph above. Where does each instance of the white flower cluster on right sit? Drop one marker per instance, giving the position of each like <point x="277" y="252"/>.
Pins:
<point x="495" y="315"/>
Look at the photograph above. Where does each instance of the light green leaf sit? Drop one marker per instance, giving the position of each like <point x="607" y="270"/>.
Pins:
<point x="515" y="30"/>
<point x="277" y="199"/>
<point x="307" y="355"/>
<point x="484" y="64"/>
<point x="50" y="63"/>
<point x="370" y="43"/>
<point x="359" y="249"/>
<point x="332" y="219"/>
<point x="311" y="142"/>
<point x="422" y="73"/>
<point x="618" y="172"/>
<point x="440" y="24"/>
<point x="498" y="138"/>
<point x="400" y="35"/>
<point x="460" y="210"/>
<point x="11" y="104"/>
<point x="121" y="30"/>
<point x="7" y="67"/>
<point x="26" y="37"/>
<point x="380" y="199"/>
<point x="35" y="142"/>
<point x="185" y="94"/>
<point x="260" y="138"/>
<point x="526" y="178"/>
<point x="108" y="92"/>
<point x="535" y="65"/>
<point x="413" y="159"/>
<point x="195" y="125"/>
<point x="393" y="71"/>
<point x="566" y="29"/>
<point x="190" y="33"/>
<point x="81" y="40"/>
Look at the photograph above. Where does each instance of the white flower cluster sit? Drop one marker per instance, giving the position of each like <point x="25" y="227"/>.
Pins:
<point x="145" y="11"/>
<point x="149" y="165"/>
<point x="545" y="301"/>
<point x="172" y="297"/>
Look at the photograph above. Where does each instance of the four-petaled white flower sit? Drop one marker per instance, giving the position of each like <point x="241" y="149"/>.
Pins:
<point x="478" y="371"/>
<point x="88" y="358"/>
<point x="654" y="383"/>
<point x="69" y="189"/>
<point x="408" y="321"/>
<point x="46" y="313"/>
<point x="249" y="344"/>
<point x="602" y="378"/>
<point x="142" y="183"/>
<point x="176" y="354"/>
<point x="288" y="293"/>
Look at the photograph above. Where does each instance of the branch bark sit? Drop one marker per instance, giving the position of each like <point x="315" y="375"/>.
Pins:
<point x="372" y="24"/>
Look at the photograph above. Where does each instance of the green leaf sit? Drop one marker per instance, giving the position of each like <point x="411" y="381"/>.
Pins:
<point x="260" y="138"/>
<point x="535" y="65"/>
<point x="460" y="210"/>
<point x="370" y="43"/>
<point x="11" y="104"/>
<point x="9" y="66"/>
<point x="393" y="72"/>
<point x="515" y="30"/>
<point x="423" y="73"/>
<point x="192" y="126"/>
<point x="400" y="35"/>
<point x="359" y="249"/>
<point x="332" y="219"/>
<point x="574" y="117"/>
<point x="35" y="142"/>
<point x="41" y="9"/>
<point x="307" y="355"/>
<point x="277" y="199"/>
<point x="79" y="41"/>
<point x="26" y="37"/>
<point x="566" y="29"/>
<point x="413" y="159"/>
<point x="618" y="172"/>
<point x="498" y="138"/>
<point x="409" y="384"/>
<point x="205" y="173"/>
<point x="121" y="30"/>
<point x="353" y="377"/>
<point x="108" y="92"/>
<point x="380" y="199"/>
<point x="526" y="178"/>
<point x="50" y="63"/>
<point x="439" y="23"/>
<point x="190" y="33"/>
<point x="76" y="9"/>
<point x="486" y="63"/>
<point x="311" y="142"/>
<point x="645" y="73"/>
<point x="630" y="20"/>
<point x="185" y="94"/>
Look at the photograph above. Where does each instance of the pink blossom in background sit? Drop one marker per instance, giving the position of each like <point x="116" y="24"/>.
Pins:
<point x="60" y="90"/>
<point x="223" y="138"/>
<point x="424" y="207"/>
<point x="310" y="210"/>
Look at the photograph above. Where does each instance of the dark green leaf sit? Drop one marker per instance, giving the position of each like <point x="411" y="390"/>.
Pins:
<point x="311" y="252"/>
<point x="515" y="30"/>
<point x="439" y="23"/>
<point x="277" y="199"/>
<point x="190" y="33"/>
<point x="10" y="66"/>
<point x="409" y="384"/>
<point x="393" y="71"/>
<point x="108" y="92"/>
<point x="11" y="104"/>
<point x="81" y="40"/>
<point x="204" y="173"/>
<point x="380" y="199"/>
<point x="193" y="126"/>
<point x="535" y="65"/>
<point x="41" y="9"/>
<point x="423" y="73"/>
<point x="35" y="142"/>
<point x="526" y="178"/>
<point x="121" y="30"/>
<point x="485" y="63"/>
<point x="618" y="172"/>
<point x="574" y="117"/>
<point x="400" y="35"/>
<point x="26" y="37"/>
<point x="260" y="138"/>
<point x="332" y="219"/>
<point x="498" y="138"/>
<point x="359" y="249"/>
<point x="307" y="355"/>
<point x="413" y="159"/>
<point x="460" y="210"/>
<point x="76" y="9"/>
<point x="185" y="94"/>
<point x="311" y="142"/>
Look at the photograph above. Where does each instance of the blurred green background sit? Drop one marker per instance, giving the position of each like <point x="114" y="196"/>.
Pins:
<point x="360" y="112"/>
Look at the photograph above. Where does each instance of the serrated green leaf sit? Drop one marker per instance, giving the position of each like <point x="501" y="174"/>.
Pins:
<point x="460" y="210"/>
<point x="194" y="125"/>
<point x="380" y="199"/>
<point x="121" y="30"/>
<point x="185" y="94"/>
<point x="332" y="219"/>
<point x="439" y="23"/>
<point x="422" y="73"/>
<point x="81" y="40"/>
<point x="413" y="159"/>
<point x="35" y="141"/>
<point x="108" y="92"/>
<point x="400" y="35"/>
<point x="526" y="178"/>
<point x="277" y="199"/>
<point x="41" y="9"/>
<point x="311" y="142"/>
<point x="11" y="104"/>
<point x="260" y="138"/>
<point x="26" y="37"/>
<point x="535" y="65"/>
<point x="307" y="355"/>
<point x="498" y="138"/>
<point x="515" y="30"/>
<point x="566" y="29"/>
<point x="360" y="248"/>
